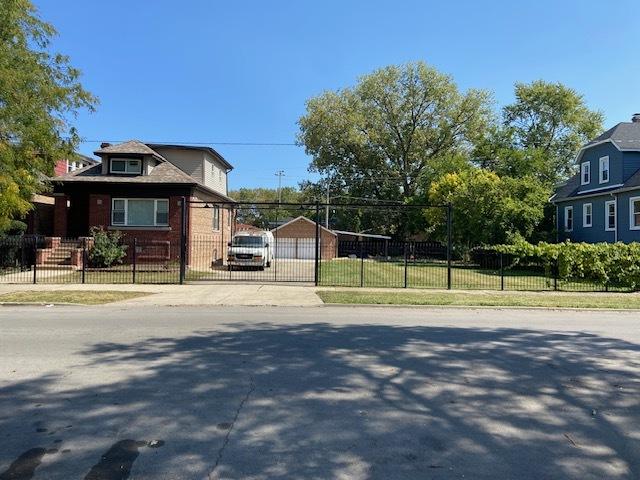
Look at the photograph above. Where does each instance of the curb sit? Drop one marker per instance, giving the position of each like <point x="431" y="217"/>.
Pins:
<point x="480" y="307"/>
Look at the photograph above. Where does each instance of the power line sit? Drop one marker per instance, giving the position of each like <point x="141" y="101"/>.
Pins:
<point x="182" y="142"/>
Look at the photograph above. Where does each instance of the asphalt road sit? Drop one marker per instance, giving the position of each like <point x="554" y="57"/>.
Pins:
<point x="316" y="393"/>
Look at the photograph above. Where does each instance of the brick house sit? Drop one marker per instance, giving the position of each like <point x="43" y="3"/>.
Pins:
<point x="138" y="188"/>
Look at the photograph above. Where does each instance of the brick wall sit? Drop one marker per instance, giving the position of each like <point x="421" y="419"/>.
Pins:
<point x="61" y="168"/>
<point x="302" y="228"/>
<point x="207" y="247"/>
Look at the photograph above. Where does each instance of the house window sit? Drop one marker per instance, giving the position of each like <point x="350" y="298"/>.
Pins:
<point x="216" y="218"/>
<point x="130" y="166"/>
<point x="139" y="212"/>
<point x="610" y="215"/>
<point x="585" y="173"/>
<point x="587" y="215"/>
<point x="604" y="169"/>
<point x="634" y="213"/>
<point x="568" y="219"/>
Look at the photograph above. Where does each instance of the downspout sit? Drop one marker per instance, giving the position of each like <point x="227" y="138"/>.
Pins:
<point x="615" y="230"/>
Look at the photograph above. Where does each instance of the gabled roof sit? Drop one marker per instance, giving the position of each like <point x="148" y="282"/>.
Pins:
<point x="625" y="135"/>
<point x="209" y="150"/>
<point x="131" y="147"/>
<point x="303" y="218"/>
<point x="569" y="189"/>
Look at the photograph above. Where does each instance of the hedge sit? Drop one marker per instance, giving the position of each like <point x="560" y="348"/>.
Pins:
<point x="612" y="264"/>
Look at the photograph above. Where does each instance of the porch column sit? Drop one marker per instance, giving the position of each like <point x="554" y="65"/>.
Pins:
<point x="60" y="215"/>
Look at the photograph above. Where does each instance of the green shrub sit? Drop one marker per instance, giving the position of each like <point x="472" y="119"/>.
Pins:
<point x="106" y="249"/>
<point x="614" y="264"/>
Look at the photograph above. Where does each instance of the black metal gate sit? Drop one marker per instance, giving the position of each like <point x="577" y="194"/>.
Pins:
<point x="322" y="244"/>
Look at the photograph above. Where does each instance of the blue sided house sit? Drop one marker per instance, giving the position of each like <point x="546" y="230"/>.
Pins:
<point x="601" y="203"/>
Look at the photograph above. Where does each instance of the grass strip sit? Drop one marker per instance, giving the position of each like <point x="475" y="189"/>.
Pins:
<point x="550" y="300"/>
<point x="83" y="297"/>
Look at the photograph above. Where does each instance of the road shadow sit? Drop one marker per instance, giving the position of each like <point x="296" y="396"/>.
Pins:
<point x="319" y="401"/>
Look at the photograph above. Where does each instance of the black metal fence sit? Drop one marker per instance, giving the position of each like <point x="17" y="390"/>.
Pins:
<point x="36" y="259"/>
<point x="297" y="248"/>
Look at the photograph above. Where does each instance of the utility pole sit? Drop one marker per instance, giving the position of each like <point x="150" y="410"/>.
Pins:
<point x="280" y="174"/>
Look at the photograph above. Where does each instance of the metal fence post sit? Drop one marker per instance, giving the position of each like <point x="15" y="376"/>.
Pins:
<point x="501" y="271"/>
<point x="84" y="258"/>
<point x="317" y="256"/>
<point x="406" y="266"/>
<point x="449" y="243"/>
<point x="35" y="259"/>
<point x="556" y="272"/>
<point x="361" y="263"/>
<point x="134" y="259"/>
<point x="183" y="241"/>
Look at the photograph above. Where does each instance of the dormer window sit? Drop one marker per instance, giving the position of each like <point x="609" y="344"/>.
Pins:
<point x="604" y="169"/>
<point x="585" y="173"/>
<point x="130" y="166"/>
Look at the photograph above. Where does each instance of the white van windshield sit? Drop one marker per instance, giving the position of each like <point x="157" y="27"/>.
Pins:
<point x="247" y="241"/>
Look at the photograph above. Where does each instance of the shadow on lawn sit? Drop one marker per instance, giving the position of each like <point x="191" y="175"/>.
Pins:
<point x="320" y="401"/>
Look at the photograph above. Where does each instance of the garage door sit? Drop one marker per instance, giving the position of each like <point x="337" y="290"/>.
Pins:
<point x="296" y="248"/>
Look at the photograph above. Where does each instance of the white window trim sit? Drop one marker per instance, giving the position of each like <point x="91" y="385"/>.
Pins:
<point x="607" y="228"/>
<point x="213" y="216"/>
<point x="632" y="200"/>
<point x="127" y="160"/>
<point x="584" y="215"/>
<point x="585" y="167"/>
<point x="126" y="212"/>
<point x="566" y="218"/>
<point x="602" y="162"/>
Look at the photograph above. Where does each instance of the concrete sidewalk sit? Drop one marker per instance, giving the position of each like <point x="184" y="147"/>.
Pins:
<point x="203" y="295"/>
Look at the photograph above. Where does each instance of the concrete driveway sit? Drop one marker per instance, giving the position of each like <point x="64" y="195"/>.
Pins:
<point x="316" y="393"/>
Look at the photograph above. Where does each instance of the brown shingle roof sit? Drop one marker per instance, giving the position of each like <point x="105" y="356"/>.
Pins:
<point x="164" y="172"/>
<point x="131" y="147"/>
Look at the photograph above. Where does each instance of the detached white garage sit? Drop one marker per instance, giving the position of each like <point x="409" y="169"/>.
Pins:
<point x="296" y="239"/>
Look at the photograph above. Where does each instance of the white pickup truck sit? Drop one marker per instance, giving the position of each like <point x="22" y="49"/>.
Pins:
<point x="250" y="249"/>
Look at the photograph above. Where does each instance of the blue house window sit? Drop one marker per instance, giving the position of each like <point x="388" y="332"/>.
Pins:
<point x="568" y="219"/>
<point x="587" y="215"/>
<point x="585" y="173"/>
<point x="610" y="215"/>
<point x="634" y="213"/>
<point x="604" y="169"/>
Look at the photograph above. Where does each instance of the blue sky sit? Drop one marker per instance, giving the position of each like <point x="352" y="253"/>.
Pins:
<point x="213" y="71"/>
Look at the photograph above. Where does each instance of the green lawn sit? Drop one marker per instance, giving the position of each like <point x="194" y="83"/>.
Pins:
<point x="69" y="296"/>
<point x="347" y="273"/>
<point x="113" y="276"/>
<point x="497" y="299"/>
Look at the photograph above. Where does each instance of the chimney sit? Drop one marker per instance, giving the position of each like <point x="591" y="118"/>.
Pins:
<point x="636" y="118"/>
<point x="105" y="144"/>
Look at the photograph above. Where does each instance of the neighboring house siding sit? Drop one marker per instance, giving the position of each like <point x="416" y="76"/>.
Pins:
<point x="189" y="161"/>
<point x="592" y="156"/>
<point x="631" y="163"/>
<point x="625" y="234"/>
<point x="215" y="175"/>
<point x="593" y="234"/>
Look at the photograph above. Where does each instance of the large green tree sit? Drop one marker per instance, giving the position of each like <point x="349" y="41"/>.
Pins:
<point x="378" y="138"/>
<point x="40" y="94"/>
<point x="487" y="209"/>
<point x="540" y="133"/>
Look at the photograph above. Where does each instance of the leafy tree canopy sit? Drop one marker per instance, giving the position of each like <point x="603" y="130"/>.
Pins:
<point x="39" y="94"/>
<point x="487" y="209"/>
<point x="378" y="138"/>
<point x="540" y="133"/>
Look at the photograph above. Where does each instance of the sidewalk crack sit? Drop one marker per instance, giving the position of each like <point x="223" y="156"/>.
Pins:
<point x="252" y="387"/>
